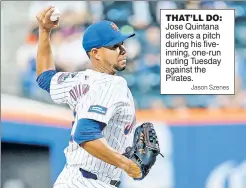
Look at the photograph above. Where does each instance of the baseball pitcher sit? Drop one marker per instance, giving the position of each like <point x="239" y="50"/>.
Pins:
<point x="104" y="114"/>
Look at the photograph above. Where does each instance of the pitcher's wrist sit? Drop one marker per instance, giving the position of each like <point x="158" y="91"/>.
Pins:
<point x="43" y="30"/>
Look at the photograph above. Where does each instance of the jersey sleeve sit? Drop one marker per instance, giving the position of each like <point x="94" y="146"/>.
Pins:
<point x="60" y="85"/>
<point x="103" y="103"/>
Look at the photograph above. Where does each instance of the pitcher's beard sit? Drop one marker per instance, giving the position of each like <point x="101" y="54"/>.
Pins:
<point x="119" y="68"/>
<point x="116" y="67"/>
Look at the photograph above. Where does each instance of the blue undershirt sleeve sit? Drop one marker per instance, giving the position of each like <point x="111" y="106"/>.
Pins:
<point x="44" y="79"/>
<point x="88" y="130"/>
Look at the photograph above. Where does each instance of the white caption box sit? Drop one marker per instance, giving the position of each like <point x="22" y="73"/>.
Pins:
<point x="201" y="41"/>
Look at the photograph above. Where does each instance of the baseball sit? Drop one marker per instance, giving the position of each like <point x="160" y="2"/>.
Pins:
<point x="55" y="15"/>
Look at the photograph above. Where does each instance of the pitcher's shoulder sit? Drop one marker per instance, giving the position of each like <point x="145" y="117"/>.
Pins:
<point x="120" y="81"/>
<point x="115" y="80"/>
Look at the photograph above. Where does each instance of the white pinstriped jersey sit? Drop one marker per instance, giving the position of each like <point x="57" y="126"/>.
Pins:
<point x="102" y="97"/>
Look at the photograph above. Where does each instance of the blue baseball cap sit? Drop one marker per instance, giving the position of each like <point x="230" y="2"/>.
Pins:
<point x="102" y="34"/>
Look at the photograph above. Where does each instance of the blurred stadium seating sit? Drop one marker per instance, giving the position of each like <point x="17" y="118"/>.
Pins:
<point x="143" y="71"/>
<point x="202" y="136"/>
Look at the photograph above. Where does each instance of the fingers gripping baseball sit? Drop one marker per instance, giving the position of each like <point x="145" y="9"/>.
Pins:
<point x="44" y="19"/>
<point x="41" y="15"/>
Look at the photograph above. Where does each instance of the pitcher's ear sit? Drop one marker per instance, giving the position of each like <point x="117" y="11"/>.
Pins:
<point x="95" y="53"/>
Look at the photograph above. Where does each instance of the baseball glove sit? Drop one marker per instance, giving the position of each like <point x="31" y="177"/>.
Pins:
<point x="145" y="148"/>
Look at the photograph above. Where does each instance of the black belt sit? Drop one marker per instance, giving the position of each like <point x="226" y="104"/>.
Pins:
<point x="90" y="175"/>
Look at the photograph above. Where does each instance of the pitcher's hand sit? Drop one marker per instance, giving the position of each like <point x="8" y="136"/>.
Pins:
<point x="133" y="170"/>
<point x="44" y="21"/>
